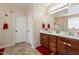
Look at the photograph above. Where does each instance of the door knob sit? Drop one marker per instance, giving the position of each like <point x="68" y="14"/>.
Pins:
<point x="28" y="30"/>
<point x="16" y="31"/>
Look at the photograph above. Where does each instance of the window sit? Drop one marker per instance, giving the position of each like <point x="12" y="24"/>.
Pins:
<point x="73" y="23"/>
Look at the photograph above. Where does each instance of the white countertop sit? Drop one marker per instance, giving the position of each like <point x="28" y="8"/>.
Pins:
<point x="61" y="34"/>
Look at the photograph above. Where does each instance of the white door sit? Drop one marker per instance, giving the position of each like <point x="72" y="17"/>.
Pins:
<point x="20" y="29"/>
<point x="29" y="30"/>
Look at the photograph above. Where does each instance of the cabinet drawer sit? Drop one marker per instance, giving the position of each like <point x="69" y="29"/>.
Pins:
<point x="61" y="39"/>
<point x="44" y="36"/>
<point x="74" y="42"/>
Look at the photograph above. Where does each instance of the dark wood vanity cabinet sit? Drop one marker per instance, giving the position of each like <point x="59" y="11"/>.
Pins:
<point x="44" y="40"/>
<point x="52" y="43"/>
<point x="60" y="45"/>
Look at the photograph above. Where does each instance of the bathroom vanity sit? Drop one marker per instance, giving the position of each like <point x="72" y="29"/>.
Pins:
<point x="64" y="35"/>
<point x="60" y="44"/>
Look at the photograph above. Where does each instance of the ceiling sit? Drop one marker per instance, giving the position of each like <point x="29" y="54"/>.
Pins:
<point x="25" y="5"/>
<point x="22" y="5"/>
<point x="52" y="5"/>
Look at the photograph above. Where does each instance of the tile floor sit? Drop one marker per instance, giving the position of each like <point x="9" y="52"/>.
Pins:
<point x="20" y="49"/>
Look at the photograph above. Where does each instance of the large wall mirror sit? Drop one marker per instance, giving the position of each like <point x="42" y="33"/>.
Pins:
<point x="67" y="19"/>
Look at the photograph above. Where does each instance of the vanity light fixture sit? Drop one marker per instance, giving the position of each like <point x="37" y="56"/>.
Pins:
<point x="58" y="8"/>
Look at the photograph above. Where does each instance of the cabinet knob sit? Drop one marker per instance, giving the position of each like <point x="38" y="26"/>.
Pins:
<point x="69" y="44"/>
<point x="64" y="43"/>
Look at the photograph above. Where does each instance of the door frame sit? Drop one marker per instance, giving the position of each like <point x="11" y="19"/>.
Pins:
<point x="15" y="27"/>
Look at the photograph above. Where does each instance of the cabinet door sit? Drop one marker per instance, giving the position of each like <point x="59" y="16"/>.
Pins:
<point x="52" y="43"/>
<point x="61" y="47"/>
<point x="73" y="48"/>
<point x="44" y="40"/>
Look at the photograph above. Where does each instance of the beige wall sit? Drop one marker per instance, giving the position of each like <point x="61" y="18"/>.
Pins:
<point x="29" y="17"/>
<point x="36" y="14"/>
<point x="40" y="15"/>
<point x="37" y="20"/>
<point x="7" y="37"/>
